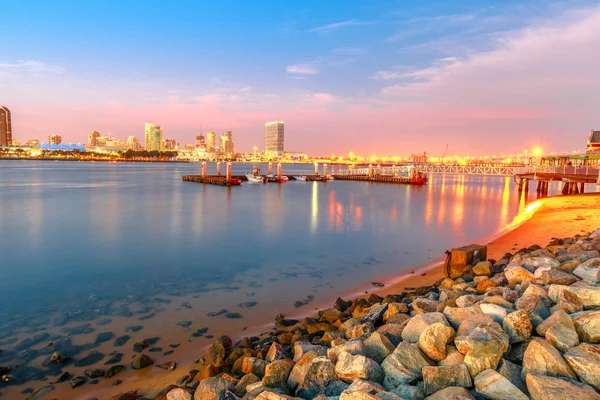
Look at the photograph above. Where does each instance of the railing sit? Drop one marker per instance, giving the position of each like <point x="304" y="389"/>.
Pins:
<point x="561" y="170"/>
<point x="404" y="170"/>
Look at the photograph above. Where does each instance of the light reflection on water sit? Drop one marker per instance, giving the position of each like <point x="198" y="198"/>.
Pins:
<point x="70" y="230"/>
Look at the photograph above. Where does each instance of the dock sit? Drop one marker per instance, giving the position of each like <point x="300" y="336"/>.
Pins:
<point x="573" y="177"/>
<point x="212" y="180"/>
<point x="382" y="179"/>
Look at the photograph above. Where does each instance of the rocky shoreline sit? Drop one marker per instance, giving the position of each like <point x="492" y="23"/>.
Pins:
<point x="526" y="326"/>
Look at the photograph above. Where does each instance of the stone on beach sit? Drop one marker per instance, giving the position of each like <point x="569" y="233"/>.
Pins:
<point x="434" y="339"/>
<point x="553" y="388"/>
<point x="212" y="388"/>
<point x="417" y="324"/>
<point x="403" y="366"/>
<point x="585" y="361"/>
<point x="541" y="358"/>
<point x="493" y="385"/>
<point x="587" y="325"/>
<point x="351" y="367"/>
<point x="436" y="378"/>
<point x="518" y="326"/>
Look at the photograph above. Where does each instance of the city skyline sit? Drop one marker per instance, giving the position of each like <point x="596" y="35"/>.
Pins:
<point x="451" y="73"/>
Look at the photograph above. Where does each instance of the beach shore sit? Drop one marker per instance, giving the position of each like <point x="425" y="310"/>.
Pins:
<point x="541" y="221"/>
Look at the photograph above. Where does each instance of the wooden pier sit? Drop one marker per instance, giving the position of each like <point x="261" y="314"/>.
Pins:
<point x="574" y="178"/>
<point x="212" y="180"/>
<point x="382" y="179"/>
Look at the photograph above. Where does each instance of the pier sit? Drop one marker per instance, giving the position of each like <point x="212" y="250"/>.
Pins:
<point x="573" y="177"/>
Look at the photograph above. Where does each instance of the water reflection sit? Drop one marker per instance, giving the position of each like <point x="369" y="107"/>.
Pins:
<point x="314" y="209"/>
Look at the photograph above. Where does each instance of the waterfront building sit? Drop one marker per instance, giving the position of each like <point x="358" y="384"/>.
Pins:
<point x="189" y="146"/>
<point x="169" y="144"/>
<point x="152" y="137"/>
<point x="211" y="141"/>
<point x="200" y="144"/>
<point x="15" y="143"/>
<point x="227" y="143"/>
<point x="133" y="143"/>
<point x="56" y="139"/>
<point x="274" y="139"/>
<point x="593" y="144"/>
<point x="92" y="137"/>
<point x="33" y="143"/>
<point x="5" y="127"/>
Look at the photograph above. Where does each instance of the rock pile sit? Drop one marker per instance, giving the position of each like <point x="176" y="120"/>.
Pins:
<point x="526" y="326"/>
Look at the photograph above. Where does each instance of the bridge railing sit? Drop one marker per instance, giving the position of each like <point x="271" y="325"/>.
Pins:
<point x="562" y="170"/>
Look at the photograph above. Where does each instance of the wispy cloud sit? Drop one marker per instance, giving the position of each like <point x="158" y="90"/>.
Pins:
<point x="337" y="25"/>
<point x="31" y="66"/>
<point x="350" y="51"/>
<point x="302" y="69"/>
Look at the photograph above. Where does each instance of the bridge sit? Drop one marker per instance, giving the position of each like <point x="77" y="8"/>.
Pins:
<point x="474" y="169"/>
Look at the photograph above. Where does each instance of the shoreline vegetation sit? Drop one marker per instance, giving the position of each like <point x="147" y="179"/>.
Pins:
<point x="523" y="324"/>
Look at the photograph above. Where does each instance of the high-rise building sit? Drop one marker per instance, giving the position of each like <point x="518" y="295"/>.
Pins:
<point x="92" y="138"/>
<point x="227" y="142"/>
<point x="200" y="144"/>
<point x="133" y="143"/>
<point x="5" y="127"/>
<point x="274" y="139"/>
<point x="152" y="137"/>
<point x="211" y="141"/>
<point x="56" y="139"/>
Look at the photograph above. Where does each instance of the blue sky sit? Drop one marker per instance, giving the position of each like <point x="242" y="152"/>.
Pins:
<point x="332" y="70"/>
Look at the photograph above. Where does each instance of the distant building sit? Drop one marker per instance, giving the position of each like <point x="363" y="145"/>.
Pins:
<point x="133" y="143"/>
<point x="274" y="139"/>
<point x="15" y="143"/>
<point x="211" y="141"/>
<point x="227" y="142"/>
<point x="56" y="139"/>
<point x="593" y="144"/>
<point x="170" y="144"/>
<point x="200" y="143"/>
<point x="189" y="146"/>
<point x="33" y="143"/>
<point x="92" y="137"/>
<point x="152" y="137"/>
<point x="5" y="127"/>
<point x="419" y="158"/>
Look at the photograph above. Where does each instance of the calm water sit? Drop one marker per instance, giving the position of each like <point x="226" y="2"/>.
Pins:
<point x="82" y="241"/>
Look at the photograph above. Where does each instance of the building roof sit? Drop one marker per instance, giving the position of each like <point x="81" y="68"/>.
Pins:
<point x="594" y="137"/>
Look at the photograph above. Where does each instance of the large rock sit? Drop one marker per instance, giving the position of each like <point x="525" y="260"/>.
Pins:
<point x="457" y="315"/>
<point x="482" y="357"/>
<point x="495" y="311"/>
<point x="535" y="306"/>
<point x="551" y="388"/>
<point x="516" y="274"/>
<point x="437" y="378"/>
<point x="375" y="314"/>
<point x="587" y="325"/>
<point x="403" y="366"/>
<point x="588" y="270"/>
<point x="434" y="339"/>
<point x="589" y="296"/>
<point x="301" y="348"/>
<point x="393" y="309"/>
<point x="585" y="361"/>
<point x="320" y="373"/>
<point x="493" y="385"/>
<point x="481" y="336"/>
<point x="141" y="361"/>
<point x="558" y="317"/>
<point x="212" y="388"/>
<point x="417" y="324"/>
<point x="409" y="392"/>
<point x="541" y="358"/>
<point x="562" y="337"/>
<point x="277" y="373"/>
<point x="556" y="277"/>
<point x="378" y="346"/>
<point x="518" y="326"/>
<point x="353" y="347"/>
<point x="240" y="388"/>
<point x="512" y="372"/>
<point x="179" y="394"/>
<point x="300" y="369"/>
<point x="361" y="331"/>
<point x="275" y="352"/>
<point x="451" y="393"/>
<point x="349" y="368"/>
<point x="253" y="365"/>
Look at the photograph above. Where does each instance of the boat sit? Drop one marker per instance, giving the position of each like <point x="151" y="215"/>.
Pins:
<point x="301" y="178"/>
<point x="283" y="178"/>
<point x="255" y="178"/>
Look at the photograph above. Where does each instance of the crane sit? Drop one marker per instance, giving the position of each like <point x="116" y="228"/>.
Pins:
<point x="445" y="151"/>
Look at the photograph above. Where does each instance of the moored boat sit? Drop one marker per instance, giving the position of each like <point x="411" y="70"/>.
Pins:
<point x="255" y="178"/>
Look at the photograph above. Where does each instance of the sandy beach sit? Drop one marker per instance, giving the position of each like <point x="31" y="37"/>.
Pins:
<point x="541" y="221"/>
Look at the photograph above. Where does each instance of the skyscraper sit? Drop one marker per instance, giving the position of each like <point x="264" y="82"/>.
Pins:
<point x="227" y="142"/>
<point x="200" y="142"/>
<point x="56" y="139"/>
<point x="92" y="138"/>
<point x="5" y="127"/>
<point x="274" y="139"/>
<point x="211" y="141"/>
<point x="152" y="137"/>
<point x="133" y="143"/>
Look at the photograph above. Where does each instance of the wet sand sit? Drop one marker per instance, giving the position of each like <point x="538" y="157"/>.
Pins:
<point x="541" y="221"/>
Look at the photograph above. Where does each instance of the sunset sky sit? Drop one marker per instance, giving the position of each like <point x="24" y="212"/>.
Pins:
<point x="372" y="77"/>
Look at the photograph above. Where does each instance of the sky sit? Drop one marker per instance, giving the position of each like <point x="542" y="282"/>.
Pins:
<point x="370" y="77"/>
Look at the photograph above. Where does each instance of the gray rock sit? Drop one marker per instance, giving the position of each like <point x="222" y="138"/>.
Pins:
<point x="451" y="393"/>
<point x="512" y="372"/>
<point x="378" y="346"/>
<point x="409" y="392"/>
<point x="493" y="385"/>
<point x="587" y="325"/>
<point x="457" y="315"/>
<point x="588" y="295"/>
<point x="535" y="306"/>
<point x="585" y="361"/>
<point x="557" y="317"/>
<point x="375" y="314"/>
<point x="361" y="331"/>
<point x="301" y="348"/>
<point x="541" y="358"/>
<point x="417" y="324"/>
<point x="552" y="388"/>
<point x="212" y="388"/>
<point x="350" y="368"/>
<point x="562" y="337"/>
<point x="249" y="379"/>
<point x="353" y="347"/>
<point x="403" y="366"/>
<point x="320" y="373"/>
<point x="588" y="270"/>
<point x="253" y="365"/>
<point x="437" y="378"/>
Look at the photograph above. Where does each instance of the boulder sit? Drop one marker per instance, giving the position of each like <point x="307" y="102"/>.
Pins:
<point x="516" y="274"/>
<point x="551" y="388"/>
<point x="393" y="309"/>
<point x="512" y="372"/>
<point x="179" y="394"/>
<point x="493" y="385"/>
<point x="472" y="322"/>
<point x="422" y="305"/>
<point x="403" y="366"/>
<point x="481" y="336"/>
<point x="453" y="357"/>
<point x="562" y="337"/>
<point x="378" y="346"/>
<point x="467" y="300"/>
<point x="495" y="311"/>
<point x="541" y="358"/>
<point x="300" y="369"/>
<point x="212" y="388"/>
<point x="589" y="296"/>
<point x="482" y="268"/>
<point x="451" y="393"/>
<point x="417" y="324"/>
<point x="275" y="352"/>
<point x="535" y="306"/>
<point x="141" y="361"/>
<point x="277" y="373"/>
<point x="353" y="347"/>
<point x="349" y="368"/>
<point x="518" y="326"/>
<point x="557" y="317"/>
<point x="361" y="331"/>
<point x="585" y="361"/>
<point x="240" y="388"/>
<point x="556" y="277"/>
<point x="456" y="315"/>
<point x="587" y="325"/>
<point x="375" y="314"/>
<point x="588" y="270"/>
<point x="301" y="348"/>
<point x="569" y="302"/>
<point x="437" y="378"/>
<point x="409" y="392"/>
<point x="253" y="365"/>
<point x="482" y="357"/>
<point x="320" y="373"/>
<point x="485" y="284"/>
<point x="434" y="339"/>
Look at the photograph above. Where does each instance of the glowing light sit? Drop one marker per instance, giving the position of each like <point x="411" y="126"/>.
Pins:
<point x="537" y="151"/>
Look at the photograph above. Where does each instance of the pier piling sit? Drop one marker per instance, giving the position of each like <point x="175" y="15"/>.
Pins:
<point x="279" y="170"/>
<point x="219" y="169"/>
<point x="228" y="169"/>
<point x="204" y="169"/>
<point x="325" y="170"/>
<point x="270" y="168"/>
<point x="317" y="169"/>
